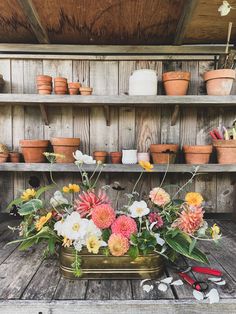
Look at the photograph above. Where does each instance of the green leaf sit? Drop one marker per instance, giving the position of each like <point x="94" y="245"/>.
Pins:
<point x="192" y="246"/>
<point x="133" y="252"/>
<point x="134" y="239"/>
<point x="30" y="207"/>
<point x="44" y="189"/>
<point x="106" y="234"/>
<point x="26" y="244"/>
<point x="51" y="245"/>
<point x="16" y="202"/>
<point x="180" y="244"/>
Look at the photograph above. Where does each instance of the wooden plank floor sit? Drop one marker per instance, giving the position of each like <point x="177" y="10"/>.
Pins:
<point x="32" y="285"/>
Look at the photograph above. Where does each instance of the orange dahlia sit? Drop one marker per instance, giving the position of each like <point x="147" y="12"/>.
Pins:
<point x="194" y="198"/>
<point x="190" y="219"/>
<point x="103" y="216"/>
<point x="124" y="225"/>
<point x="118" y="244"/>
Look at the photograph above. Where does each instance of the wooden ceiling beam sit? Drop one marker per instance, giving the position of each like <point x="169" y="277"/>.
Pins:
<point x="33" y="18"/>
<point x="184" y="21"/>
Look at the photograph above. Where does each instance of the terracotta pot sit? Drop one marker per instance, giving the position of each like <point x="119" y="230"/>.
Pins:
<point x="60" y="84"/>
<point x="65" y="146"/>
<point x="15" y="157"/>
<point x="33" y="150"/>
<point x="226" y="151"/>
<point x="116" y="157"/>
<point x="44" y="92"/>
<point x="85" y="91"/>
<point x="176" y="83"/>
<point x="60" y="79"/>
<point x="45" y="78"/>
<point x="45" y="87"/>
<point x="42" y="83"/>
<point x="3" y="157"/>
<point x="164" y="153"/>
<point x="100" y="156"/>
<point x="74" y="85"/>
<point x="197" y="154"/>
<point x="219" y="82"/>
<point x="73" y="91"/>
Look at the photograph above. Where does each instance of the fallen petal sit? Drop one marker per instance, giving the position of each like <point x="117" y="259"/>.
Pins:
<point x="162" y="287"/>
<point x="220" y="283"/>
<point x="214" y="279"/>
<point x="167" y="280"/>
<point x="213" y="296"/>
<point x="142" y="282"/>
<point x="198" y="295"/>
<point x="147" y="288"/>
<point x="177" y="283"/>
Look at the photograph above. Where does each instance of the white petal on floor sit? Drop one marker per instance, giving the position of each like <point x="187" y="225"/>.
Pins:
<point x="144" y="280"/>
<point x="213" y="296"/>
<point x="220" y="283"/>
<point x="147" y="288"/>
<point x="198" y="295"/>
<point x="215" y="279"/>
<point x="167" y="280"/>
<point x="177" y="283"/>
<point x="162" y="287"/>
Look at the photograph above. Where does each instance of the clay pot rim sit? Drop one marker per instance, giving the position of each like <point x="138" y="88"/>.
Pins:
<point x="65" y="141"/>
<point x="224" y="143"/>
<point x="4" y="154"/>
<point x="74" y="85"/>
<point x="197" y="149"/>
<point x="115" y="153"/>
<point x="14" y="153"/>
<point x="44" y="87"/>
<point x="34" y="143"/>
<point x="220" y="73"/>
<point x="99" y="153"/>
<point x="43" y="77"/>
<point x="176" y="75"/>
<point x="159" y="148"/>
<point x="86" y="89"/>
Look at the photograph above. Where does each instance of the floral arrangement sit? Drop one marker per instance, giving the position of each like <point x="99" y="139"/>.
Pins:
<point x="83" y="217"/>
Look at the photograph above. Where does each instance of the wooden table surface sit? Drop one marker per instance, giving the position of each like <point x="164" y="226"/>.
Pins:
<point x="31" y="285"/>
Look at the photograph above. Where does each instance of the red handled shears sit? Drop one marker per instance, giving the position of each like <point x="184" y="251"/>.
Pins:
<point x="199" y="285"/>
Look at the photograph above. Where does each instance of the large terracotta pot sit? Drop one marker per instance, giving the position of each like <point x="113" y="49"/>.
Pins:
<point x="164" y="153"/>
<point x="66" y="147"/>
<point x="197" y="154"/>
<point x="33" y="150"/>
<point x="226" y="151"/>
<point x="219" y="82"/>
<point x="176" y="83"/>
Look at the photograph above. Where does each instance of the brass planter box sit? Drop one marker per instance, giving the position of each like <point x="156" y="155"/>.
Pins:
<point x="98" y="266"/>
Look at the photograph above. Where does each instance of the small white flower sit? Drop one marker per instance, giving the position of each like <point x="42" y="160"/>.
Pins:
<point x="225" y="8"/>
<point x="59" y="227"/>
<point x="58" y="199"/>
<point x="80" y="158"/>
<point x="139" y="209"/>
<point x="159" y="240"/>
<point x="78" y="244"/>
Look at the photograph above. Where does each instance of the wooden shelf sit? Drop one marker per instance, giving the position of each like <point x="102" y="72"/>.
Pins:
<point x="94" y="100"/>
<point x="114" y="168"/>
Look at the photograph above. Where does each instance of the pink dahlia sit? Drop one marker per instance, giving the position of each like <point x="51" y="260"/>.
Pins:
<point x="118" y="244"/>
<point x="88" y="200"/>
<point x="124" y="225"/>
<point x="159" y="197"/>
<point x="155" y="217"/>
<point x="190" y="220"/>
<point x="103" y="216"/>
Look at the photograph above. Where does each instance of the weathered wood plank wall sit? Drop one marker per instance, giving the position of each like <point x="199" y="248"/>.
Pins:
<point x="130" y="127"/>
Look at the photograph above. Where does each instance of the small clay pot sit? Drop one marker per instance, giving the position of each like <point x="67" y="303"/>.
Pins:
<point x="43" y="83"/>
<point x="60" y="79"/>
<point x="164" y="153"/>
<point x="116" y="157"/>
<point x="33" y="150"/>
<point x="197" y="154"/>
<point x="45" y="78"/>
<point x="60" y="90"/>
<point x="226" y="151"/>
<point x="73" y="91"/>
<point x="15" y="157"/>
<point x="44" y="92"/>
<point x="100" y="156"/>
<point x="45" y="87"/>
<point x="85" y="91"/>
<point x="3" y="157"/>
<point x="219" y="82"/>
<point x="60" y="84"/>
<point x="74" y="85"/>
<point x="176" y="83"/>
<point x="65" y="146"/>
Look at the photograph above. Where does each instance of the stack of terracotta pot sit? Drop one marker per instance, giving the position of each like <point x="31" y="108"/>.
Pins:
<point x="44" y="84"/>
<point x="86" y="91"/>
<point x="60" y="85"/>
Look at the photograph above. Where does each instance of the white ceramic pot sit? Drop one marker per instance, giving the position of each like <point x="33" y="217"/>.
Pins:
<point x="143" y="82"/>
<point x="144" y="157"/>
<point x="129" y="156"/>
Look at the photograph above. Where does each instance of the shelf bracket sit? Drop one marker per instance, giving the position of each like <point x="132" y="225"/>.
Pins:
<point x="175" y="115"/>
<point x="44" y="114"/>
<point x="107" y="115"/>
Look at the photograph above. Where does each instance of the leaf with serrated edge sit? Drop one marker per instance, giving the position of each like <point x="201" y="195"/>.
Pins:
<point x="162" y="287"/>
<point x="167" y="280"/>
<point x="177" y="283"/>
<point x="213" y="296"/>
<point x="198" y="295"/>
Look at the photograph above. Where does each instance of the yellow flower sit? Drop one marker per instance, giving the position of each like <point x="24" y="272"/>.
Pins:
<point x="93" y="244"/>
<point x="71" y="188"/>
<point x="215" y="232"/>
<point x="66" y="242"/>
<point x="42" y="220"/>
<point x="146" y="165"/>
<point x="194" y="199"/>
<point x="28" y="194"/>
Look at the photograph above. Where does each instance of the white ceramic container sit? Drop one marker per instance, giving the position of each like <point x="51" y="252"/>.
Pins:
<point x="144" y="157"/>
<point x="129" y="156"/>
<point x="143" y="82"/>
